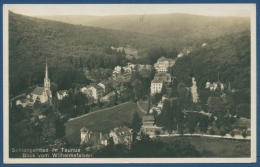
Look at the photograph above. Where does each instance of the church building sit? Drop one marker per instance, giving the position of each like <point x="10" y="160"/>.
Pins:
<point x="43" y="94"/>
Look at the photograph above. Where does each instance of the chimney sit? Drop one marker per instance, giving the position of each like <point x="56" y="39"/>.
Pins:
<point x="100" y="136"/>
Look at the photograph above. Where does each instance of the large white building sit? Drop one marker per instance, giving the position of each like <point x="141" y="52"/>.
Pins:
<point x="163" y="64"/>
<point x="156" y="85"/>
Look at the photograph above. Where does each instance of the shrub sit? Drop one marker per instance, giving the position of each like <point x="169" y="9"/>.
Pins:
<point x="222" y="133"/>
<point x="212" y="131"/>
<point x="191" y="130"/>
<point x="232" y="134"/>
<point x="244" y="134"/>
<point x="157" y="132"/>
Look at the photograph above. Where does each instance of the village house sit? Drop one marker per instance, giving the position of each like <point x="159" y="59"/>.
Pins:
<point x="21" y="102"/>
<point x="128" y="69"/>
<point x="204" y="44"/>
<point x="163" y="64"/>
<point x="86" y="90"/>
<point x="148" y="120"/>
<point x="160" y="104"/>
<point x="96" y="91"/>
<point x="62" y="93"/>
<point x="25" y="102"/>
<point x="132" y="66"/>
<point x="156" y="86"/>
<point x="155" y="109"/>
<point x="141" y="67"/>
<point x="106" y="85"/>
<point x="117" y="69"/>
<point x="165" y="97"/>
<point x="214" y="86"/>
<point x="122" y="135"/>
<point x="180" y="55"/>
<point x="94" y="138"/>
<point x="44" y="94"/>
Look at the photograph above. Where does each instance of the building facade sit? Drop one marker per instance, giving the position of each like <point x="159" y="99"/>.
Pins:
<point x="122" y="135"/>
<point x="156" y="86"/>
<point x="148" y="120"/>
<point x="96" y="91"/>
<point x="163" y="64"/>
<point x="94" y="138"/>
<point x="61" y="94"/>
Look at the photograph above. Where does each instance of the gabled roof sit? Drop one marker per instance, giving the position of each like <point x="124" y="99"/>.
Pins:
<point x="106" y="82"/>
<point x="122" y="131"/>
<point x="148" y="118"/>
<point x="84" y="129"/>
<point x="88" y="86"/>
<point x="162" y="59"/>
<point x="38" y="91"/>
<point x="157" y="80"/>
<point x="62" y="91"/>
<point x="30" y="100"/>
<point x="105" y="137"/>
<point x="22" y="100"/>
<point x="99" y="88"/>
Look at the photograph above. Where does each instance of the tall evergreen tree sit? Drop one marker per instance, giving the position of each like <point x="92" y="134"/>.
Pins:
<point x="136" y="123"/>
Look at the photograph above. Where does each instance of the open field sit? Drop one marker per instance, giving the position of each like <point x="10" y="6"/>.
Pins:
<point x="101" y="121"/>
<point x="220" y="147"/>
<point x="130" y="52"/>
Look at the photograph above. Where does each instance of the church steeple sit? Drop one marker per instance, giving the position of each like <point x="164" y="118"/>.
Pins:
<point x="46" y="80"/>
<point x="46" y="72"/>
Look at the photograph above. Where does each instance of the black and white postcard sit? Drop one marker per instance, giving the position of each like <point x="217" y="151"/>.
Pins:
<point x="129" y="83"/>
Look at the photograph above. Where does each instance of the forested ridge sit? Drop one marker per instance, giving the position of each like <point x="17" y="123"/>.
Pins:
<point x="227" y="55"/>
<point x="175" y="25"/>
<point x="65" y="47"/>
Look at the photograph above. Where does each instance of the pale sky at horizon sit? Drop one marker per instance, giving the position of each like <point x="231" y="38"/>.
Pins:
<point x="240" y="10"/>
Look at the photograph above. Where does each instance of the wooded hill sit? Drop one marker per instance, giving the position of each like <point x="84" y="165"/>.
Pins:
<point x="182" y="27"/>
<point x="227" y="55"/>
<point x="33" y="41"/>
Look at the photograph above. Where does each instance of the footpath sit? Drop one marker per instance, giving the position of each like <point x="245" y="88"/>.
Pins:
<point x="141" y="108"/>
<point x="238" y="137"/>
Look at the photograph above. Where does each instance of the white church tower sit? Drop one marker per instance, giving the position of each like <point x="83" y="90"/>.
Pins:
<point x="47" y="84"/>
<point x="47" y="95"/>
